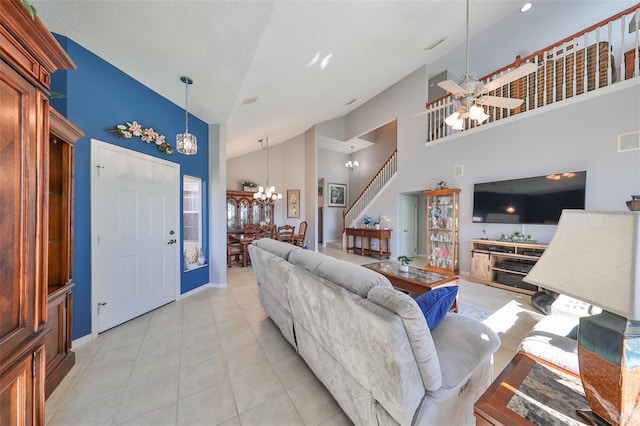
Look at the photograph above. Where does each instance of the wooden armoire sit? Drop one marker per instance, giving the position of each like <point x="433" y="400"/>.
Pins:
<point x="29" y="54"/>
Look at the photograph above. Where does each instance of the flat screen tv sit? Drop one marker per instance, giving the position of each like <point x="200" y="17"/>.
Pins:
<point x="532" y="200"/>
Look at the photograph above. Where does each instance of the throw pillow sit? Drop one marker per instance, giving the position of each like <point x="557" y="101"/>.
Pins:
<point x="436" y="303"/>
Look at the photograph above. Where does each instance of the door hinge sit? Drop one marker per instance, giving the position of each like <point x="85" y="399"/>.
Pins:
<point x="101" y="304"/>
<point x="98" y="239"/>
<point x="33" y="364"/>
<point x="98" y="166"/>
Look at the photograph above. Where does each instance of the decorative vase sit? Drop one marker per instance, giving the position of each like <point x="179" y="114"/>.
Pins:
<point x="377" y="225"/>
<point x="201" y="259"/>
<point x="634" y="203"/>
<point x="403" y="268"/>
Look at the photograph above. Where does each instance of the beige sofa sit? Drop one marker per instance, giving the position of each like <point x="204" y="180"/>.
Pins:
<point x="369" y="344"/>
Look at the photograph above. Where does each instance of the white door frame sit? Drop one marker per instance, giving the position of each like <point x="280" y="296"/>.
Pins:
<point x="409" y="227"/>
<point x="95" y="145"/>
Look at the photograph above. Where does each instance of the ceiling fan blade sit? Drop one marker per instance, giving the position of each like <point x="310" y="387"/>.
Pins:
<point x="521" y="71"/>
<point x="497" y="101"/>
<point x="435" y="108"/>
<point x="451" y="87"/>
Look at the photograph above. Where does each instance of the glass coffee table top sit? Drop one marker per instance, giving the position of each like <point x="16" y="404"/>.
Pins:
<point x="414" y="274"/>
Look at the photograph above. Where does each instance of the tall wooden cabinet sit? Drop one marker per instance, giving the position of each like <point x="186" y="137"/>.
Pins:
<point x="60" y="358"/>
<point x="442" y="231"/>
<point x="28" y="56"/>
<point x="243" y="210"/>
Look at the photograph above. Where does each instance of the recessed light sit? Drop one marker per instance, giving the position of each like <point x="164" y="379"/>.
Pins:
<point x="526" y="7"/>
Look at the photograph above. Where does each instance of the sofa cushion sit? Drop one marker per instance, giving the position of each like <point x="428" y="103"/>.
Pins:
<point x="307" y="259"/>
<point x="416" y="328"/>
<point x="463" y="344"/>
<point x="276" y="247"/>
<point x="553" y="339"/>
<point x="355" y="278"/>
<point x="435" y="304"/>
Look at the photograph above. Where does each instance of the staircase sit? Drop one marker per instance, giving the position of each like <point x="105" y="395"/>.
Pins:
<point x="384" y="176"/>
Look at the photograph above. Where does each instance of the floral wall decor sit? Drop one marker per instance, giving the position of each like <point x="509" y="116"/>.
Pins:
<point x="148" y="135"/>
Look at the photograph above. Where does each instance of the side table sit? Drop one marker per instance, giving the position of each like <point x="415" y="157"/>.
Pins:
<point x="530" y="391"/>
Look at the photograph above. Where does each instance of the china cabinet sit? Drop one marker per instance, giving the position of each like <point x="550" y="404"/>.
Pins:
<point x="243" y="210"/>
<point x="60" y="358"/>
<point x="28" y="56"/>
<point x="442" y="230"/>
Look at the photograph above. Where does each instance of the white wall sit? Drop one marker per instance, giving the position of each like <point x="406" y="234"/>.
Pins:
<point x="331" y="168"/>
<point x="372" y="158"/>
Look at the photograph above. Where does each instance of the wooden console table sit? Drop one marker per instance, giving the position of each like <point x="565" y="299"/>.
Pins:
<point x="365" y="235"/>
<point x="530" y="391"/>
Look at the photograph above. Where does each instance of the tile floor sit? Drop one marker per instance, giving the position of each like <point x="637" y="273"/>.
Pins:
<point x="215" y="358"/>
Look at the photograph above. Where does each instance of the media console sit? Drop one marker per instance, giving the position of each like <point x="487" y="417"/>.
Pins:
<point x="504" y="264"/>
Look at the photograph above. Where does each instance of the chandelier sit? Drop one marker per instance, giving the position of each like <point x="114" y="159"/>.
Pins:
<point x="267" y="194"/>
<point x="186" y="143"/>
<point x="352" y="164"/>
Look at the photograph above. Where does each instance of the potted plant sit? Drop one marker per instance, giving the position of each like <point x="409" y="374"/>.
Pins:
<point x="404" y="263"/>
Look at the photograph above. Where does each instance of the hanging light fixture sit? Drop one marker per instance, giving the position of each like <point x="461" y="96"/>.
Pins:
<point x="351" y="164"/>
<point x="267" y="194"/>
<point x="186" y="143"/>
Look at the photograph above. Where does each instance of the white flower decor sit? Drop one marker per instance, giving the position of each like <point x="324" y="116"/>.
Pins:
<point x="148" y="135"/>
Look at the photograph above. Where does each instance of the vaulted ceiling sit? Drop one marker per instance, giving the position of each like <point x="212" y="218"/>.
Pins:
<point x="252" y="62"/>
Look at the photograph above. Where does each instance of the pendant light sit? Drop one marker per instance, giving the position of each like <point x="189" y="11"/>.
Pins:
<point x="267" y="194"/>
<point x="186" y="143"/>
<point x="351" y="164"/>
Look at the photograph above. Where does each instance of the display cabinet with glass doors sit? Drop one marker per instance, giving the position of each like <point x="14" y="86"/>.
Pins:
<point x="442" y="230"/>
<point x="243" y="210"/>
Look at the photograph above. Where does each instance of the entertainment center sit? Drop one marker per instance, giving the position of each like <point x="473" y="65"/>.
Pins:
<point x="504" y="264"/>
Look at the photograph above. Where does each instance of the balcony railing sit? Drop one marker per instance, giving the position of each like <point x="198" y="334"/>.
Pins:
<point x="595" y="57"/>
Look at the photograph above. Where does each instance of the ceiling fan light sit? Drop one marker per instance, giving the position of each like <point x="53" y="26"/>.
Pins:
<point x="451" y="120"/>
<point x="458" y="124"/>
<point x="475" y="111"/>
<point x="482" y="118"/>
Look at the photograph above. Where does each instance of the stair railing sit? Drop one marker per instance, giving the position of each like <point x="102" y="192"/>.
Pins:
<point x="373" y="188"/>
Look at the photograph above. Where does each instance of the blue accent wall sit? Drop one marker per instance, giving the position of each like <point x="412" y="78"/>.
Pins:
<point x="99" y="96"/>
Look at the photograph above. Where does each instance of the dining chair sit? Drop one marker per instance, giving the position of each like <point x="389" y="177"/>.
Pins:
<point x="285" y="233"/>
<point x="298" y="239"/>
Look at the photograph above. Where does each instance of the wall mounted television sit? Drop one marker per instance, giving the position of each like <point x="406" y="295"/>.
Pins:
<point x="531" y="200"/>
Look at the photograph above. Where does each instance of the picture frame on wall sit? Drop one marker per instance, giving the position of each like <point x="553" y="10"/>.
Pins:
<point x="293" y="203"/>
<point x="337" y="195"/>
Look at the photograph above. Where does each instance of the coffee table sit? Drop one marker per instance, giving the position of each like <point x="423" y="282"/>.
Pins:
<point x="415" y="281"/>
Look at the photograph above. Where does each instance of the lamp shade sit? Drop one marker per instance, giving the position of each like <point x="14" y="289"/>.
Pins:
<point x="594" y="257"/>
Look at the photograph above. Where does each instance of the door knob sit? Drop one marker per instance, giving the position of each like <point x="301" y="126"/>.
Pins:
<point x="172" y="242"/>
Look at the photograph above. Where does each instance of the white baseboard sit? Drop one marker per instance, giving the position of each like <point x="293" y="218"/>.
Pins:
<point x="81" y="341"/>
<point x="199" y="289"/>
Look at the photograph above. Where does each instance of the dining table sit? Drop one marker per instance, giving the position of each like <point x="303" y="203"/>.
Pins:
<point x="244" y="240"/>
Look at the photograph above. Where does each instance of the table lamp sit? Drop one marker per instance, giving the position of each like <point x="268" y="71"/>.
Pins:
<point x="594" y="256"/>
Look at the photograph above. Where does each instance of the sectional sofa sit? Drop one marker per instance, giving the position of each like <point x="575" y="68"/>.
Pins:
<point x="370" y="344"/>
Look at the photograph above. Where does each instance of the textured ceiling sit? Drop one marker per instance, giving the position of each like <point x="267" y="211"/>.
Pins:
<point x="235" y="50"/>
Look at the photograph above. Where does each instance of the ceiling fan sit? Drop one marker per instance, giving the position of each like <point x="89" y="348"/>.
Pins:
<point x="472" y="94"/>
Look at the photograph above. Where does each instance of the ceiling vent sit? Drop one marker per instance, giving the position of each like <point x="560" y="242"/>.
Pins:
<point x="247" y="101"/>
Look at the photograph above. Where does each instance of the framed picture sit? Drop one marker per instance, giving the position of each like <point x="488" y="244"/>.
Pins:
<point x="337" y="195"/>
<point x="293" y="203"/>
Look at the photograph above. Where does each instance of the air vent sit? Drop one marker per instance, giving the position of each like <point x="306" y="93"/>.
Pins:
<point x="247" y="101"/>
<point x="435" y="44"/>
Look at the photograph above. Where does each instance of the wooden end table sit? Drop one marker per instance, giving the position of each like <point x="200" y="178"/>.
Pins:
<point x="530" y="391"/>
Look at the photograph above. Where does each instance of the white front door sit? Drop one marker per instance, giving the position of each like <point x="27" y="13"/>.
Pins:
<point x="136" y="235"/>
<point x="409" y="226"/>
